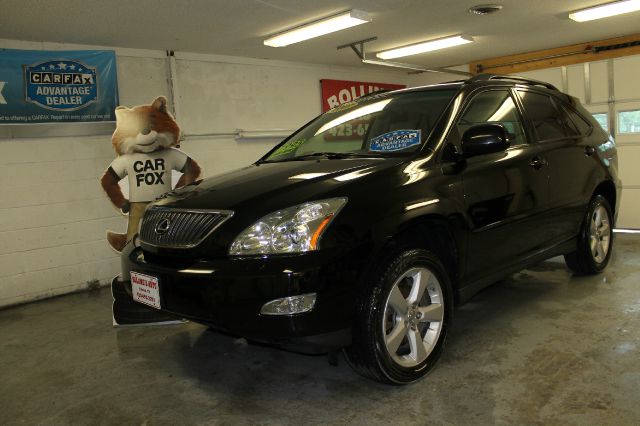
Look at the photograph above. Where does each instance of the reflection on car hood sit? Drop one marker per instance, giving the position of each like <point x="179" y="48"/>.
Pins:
<point x="292" y="182"/>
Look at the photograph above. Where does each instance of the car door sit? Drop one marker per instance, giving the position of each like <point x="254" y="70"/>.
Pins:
<point x="505" y="193"/>
<point x="562" y="137"/>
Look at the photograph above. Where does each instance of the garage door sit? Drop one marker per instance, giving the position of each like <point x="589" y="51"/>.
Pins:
<point x="627" y="122"/>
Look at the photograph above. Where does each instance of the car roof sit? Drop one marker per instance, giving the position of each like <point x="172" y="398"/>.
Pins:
<point x="485" y="80"/>
<point x="474" y="82"/>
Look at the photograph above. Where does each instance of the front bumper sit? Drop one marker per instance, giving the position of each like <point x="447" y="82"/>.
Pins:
<point x="227" y="294"/>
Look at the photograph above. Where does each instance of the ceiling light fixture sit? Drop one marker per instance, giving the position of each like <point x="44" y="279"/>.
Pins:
<point x="319" y="28"/>
<point x="423" y="47"/>
<point x="418" y="68"/>
<point x="605" y="10"/>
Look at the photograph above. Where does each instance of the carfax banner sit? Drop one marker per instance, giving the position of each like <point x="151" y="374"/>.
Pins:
<point x="338" y="92"/>
<point x="39" y="86"/>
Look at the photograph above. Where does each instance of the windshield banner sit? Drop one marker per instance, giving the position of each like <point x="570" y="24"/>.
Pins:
<point x="338" y="92"/>
<point x="39" y="86"/>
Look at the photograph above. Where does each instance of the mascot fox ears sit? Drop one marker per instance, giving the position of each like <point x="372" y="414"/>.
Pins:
<point x="145" y="128"/>
<point x="160" y="103"/>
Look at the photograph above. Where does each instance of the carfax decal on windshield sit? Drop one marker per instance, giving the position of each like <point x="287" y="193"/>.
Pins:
<point x="395" y="141"/>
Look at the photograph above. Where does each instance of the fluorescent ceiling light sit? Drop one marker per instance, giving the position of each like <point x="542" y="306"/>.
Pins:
<point x="605" y="10"/>
<point x="426" y="46"/>
<point x="319" y="28"/>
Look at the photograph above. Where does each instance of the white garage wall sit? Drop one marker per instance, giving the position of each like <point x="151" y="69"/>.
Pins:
<point x="54" y="214"/>
<point x="426" y="78"/>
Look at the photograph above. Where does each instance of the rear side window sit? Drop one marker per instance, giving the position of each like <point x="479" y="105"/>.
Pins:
<point x="584" y="128"/>
<point x="548" y="120"/>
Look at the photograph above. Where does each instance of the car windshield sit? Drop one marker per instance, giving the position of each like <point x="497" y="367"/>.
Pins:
<point x="379" y="125"/>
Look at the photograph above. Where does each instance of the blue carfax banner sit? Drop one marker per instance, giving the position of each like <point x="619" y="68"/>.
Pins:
<point x="57" y="86"/>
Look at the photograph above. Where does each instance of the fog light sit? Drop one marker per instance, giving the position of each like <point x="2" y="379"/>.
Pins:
<point x="289" y="305"/>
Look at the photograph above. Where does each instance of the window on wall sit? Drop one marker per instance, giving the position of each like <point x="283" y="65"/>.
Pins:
<point x="603" y="119"/>
<point x="629" y="121"/>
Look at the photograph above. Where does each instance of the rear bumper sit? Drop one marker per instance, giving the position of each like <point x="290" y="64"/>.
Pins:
<point x="227" y="294"/>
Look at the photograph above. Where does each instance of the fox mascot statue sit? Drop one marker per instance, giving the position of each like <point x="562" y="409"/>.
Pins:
<point x="144" y="140"/>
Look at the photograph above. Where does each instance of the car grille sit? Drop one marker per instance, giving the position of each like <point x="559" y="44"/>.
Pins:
<point x="178" y="228"/>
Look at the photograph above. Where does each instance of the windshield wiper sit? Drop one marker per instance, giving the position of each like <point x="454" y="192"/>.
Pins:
<point x="326" y="154"/>
<point x="329" y="155"/>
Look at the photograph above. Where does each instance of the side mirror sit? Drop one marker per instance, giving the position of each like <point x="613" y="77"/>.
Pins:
<point x="484" y="139"/>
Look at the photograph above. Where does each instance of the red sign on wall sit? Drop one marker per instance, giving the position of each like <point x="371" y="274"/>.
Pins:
<point x="338" y="92"/>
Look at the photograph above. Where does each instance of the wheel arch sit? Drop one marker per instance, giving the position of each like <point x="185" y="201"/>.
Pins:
<point x="433" y="232"/>
<point x="608" y="190"/>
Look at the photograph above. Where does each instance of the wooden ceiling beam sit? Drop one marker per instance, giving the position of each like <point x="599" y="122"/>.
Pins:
<point x="567" y="55"/>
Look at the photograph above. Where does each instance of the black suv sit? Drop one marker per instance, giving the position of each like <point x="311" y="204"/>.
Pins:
<point x="364" y="228"/>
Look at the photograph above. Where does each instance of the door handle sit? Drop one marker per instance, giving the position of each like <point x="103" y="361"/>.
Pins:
<point x="537" y="162"/>
<point x="589" y="150"/>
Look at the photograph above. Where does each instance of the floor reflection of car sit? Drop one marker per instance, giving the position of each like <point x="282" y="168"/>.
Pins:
<point x="364" y="228"/>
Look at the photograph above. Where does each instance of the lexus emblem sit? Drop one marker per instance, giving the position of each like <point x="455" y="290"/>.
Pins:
<point x="162" y="226"/>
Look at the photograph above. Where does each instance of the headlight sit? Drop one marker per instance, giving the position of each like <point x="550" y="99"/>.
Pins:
<point x="296" y="229"/>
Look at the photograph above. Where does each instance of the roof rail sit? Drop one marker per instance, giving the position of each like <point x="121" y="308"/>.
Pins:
<point x="530" y="81"/>
<point x="375" y="92"/>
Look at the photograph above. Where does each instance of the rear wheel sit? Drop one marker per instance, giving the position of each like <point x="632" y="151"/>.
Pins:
<point x="402" y="319"/>
<point x="595" y="241"/>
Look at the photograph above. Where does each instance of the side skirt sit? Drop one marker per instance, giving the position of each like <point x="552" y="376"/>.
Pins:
<point x="471" y="288"/>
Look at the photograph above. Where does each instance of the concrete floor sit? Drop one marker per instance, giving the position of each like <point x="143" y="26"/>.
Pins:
<point x="541" y="347"/>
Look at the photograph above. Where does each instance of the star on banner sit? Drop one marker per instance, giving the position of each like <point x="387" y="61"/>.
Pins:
<point x="42" y="68"/>
<point x="52" y="66"/>
<point x="2" y="99"/>
<point x="73" y="67"/>
<point x="62" y="66"/>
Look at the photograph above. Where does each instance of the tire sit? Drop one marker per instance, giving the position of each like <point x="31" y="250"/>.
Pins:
<point x="393" y="340"/>
<point x="595" y="240"/>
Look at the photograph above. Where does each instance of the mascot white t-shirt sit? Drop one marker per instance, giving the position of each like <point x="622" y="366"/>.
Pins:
<point x="149" y="173"/>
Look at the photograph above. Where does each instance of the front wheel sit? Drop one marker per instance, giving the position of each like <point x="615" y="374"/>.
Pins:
<point x="402" y="319"/>
<point x="595" y="240"/>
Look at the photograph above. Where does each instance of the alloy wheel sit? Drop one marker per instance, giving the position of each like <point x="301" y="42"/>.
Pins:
<point x="413" y="317"/>
<point x="599" y="234"/>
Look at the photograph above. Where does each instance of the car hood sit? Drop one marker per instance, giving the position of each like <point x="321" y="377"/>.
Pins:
<point x="270" y="186"/>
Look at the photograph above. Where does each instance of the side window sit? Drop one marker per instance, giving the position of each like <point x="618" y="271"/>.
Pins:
<point x="494" y="106"/>
<point x="548" y="122"/>
<point x="584" y="128"/>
